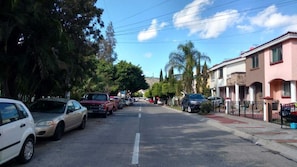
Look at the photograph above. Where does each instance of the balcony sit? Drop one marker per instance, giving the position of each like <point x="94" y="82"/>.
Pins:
<point x="238" y="78"/>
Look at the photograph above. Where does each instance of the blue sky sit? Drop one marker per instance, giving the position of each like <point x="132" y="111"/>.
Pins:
<point x="147" y="31"/>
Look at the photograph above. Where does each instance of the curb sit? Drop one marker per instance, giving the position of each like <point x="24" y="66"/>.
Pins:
<point x="282" y="149"/>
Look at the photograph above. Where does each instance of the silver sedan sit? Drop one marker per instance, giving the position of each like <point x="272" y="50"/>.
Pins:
<point x="54" y="116"/>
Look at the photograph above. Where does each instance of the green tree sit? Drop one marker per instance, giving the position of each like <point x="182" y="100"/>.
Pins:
<point x="172" y="83"/>
<point x="204" y="83"/>
<point x="161" y="76"/>
<point x="130" y="77"/>
<point x="184" y="60"/>
<point x="106" y="72"/>
<point x="44" y="45"/>
<point x="107" y="45"/>
<point x="200" y="84"/>
<point x="157" y="90"/>
<point x="148" y="93"/>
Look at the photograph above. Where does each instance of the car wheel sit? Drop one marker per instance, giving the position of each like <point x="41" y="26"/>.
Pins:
<point x="105" y="114"/>
<point x="83" y="123"/>
<point x="189" y="109"/>
<point x="59" y="132"/>
<point x="27" y="151"/>
<point x="111" y="111"/>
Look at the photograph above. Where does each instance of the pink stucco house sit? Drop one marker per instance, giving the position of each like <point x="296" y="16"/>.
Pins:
<point x="271" y="69"/>
<point x="266" y="71"/>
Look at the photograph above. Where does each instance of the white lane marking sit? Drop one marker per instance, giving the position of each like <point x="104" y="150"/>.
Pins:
<point x="135" y="155"/>
<point x="140" y="108"/>
<point x="139" y="115"/>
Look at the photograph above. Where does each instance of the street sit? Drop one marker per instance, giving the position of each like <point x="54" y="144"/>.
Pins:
<point x="151" y="136"/>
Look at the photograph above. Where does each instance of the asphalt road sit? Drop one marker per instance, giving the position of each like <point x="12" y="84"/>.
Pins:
<point x="149" y="135"/>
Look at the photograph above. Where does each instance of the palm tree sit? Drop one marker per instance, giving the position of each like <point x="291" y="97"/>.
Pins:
<point x="184" y="60"/>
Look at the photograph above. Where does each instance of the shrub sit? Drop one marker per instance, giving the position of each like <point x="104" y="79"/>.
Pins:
<point x="205" y="108"/>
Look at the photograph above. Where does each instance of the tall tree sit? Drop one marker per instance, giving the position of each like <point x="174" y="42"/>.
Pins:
<point x="43" y="44"/>
<point x="199" y="75"/>
<point x="204" y="83"/>
<point x="130" y="77"/>
<point x="161" y="76"/>
<point x="107" y="45"/>
<point x="184" y="60"/>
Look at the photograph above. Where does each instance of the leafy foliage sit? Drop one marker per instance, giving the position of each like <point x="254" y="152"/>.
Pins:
<point x="43" y="45"/>
<point x="130" y="77"/>
<point x="205" y="108"/>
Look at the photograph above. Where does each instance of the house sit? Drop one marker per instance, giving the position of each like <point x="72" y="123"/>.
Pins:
<point x="228" y="78"/>
<point x="271" y="69"/>
<point x="266" y="71"/>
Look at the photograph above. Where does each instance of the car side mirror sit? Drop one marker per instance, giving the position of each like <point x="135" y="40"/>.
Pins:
<point x="70" y="109"/>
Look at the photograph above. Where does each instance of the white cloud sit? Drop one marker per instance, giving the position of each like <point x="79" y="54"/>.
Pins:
<point x="210" y="27"/>
<point x="150" y="32"/>
<point x="219" y="23"/>
<point x="270" y="18"/>
<point x="245" y="28"/>
<point x="148" y="55"/>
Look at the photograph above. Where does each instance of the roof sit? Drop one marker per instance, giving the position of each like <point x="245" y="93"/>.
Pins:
<point x="227" y="62"/>
<point x="284" y="37"/>
<point x="256" y="49"/>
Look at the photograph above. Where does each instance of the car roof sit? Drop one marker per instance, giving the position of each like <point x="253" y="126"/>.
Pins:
<point x="7" y="100"/>
<point x="63" y="100"/>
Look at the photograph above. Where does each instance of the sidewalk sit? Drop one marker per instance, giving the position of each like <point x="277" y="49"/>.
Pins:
<point x="269" y="135"/>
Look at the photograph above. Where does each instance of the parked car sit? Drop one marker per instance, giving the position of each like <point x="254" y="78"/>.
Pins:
<point x="122" y="103"/>
<point x="116" y="102"/>
<point x="217" y="101"/>
<point x="54" y="116"/>
<point x="98" y="103"/>
<point x="129" y="101"/>
<point x="192" y="102"/>
<point x="17" y="131"/>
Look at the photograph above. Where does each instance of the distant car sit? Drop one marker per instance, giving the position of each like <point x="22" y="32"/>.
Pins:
<point x="217" y="101"/>
<point x="151" y="100"/>
<point x="17" y="131"/>
<point x="54" y="116"/>
<point x="160" y="102"/>
<point x="122" y="103"/>
<point x="129" y="101"/>
<point x="98" y="103"/>
<point x="192" y="102"/>
<point x="116" y="101"/>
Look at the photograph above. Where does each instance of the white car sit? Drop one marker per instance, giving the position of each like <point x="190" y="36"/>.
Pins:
<point x="17" y="131"/>
<point x="217" y="101"/>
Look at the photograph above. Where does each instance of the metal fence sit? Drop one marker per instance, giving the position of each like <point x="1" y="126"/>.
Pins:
<point x="247" y="109"/>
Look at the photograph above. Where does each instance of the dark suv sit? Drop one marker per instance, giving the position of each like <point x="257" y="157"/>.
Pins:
<point x="192" y="102"/>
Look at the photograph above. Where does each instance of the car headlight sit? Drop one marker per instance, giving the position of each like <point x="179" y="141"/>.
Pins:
<point x="45" y="123"/>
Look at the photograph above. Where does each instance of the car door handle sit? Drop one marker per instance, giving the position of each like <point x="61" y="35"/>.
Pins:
<point x="23" y="125"/>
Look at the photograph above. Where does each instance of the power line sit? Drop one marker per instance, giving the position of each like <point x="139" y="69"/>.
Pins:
<point x="217" y="18"/>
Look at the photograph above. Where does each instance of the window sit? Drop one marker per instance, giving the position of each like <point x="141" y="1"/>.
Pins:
<point x="22" y="110"/>
<point x="286" y="89"/>
<point x="76" y="105"/>
<point x="8" y="113"/>
<point x="255" y="61"/>
<point x="221" y="73"/>
<point x="276" y="54"/>
<point x="212" y="75"/>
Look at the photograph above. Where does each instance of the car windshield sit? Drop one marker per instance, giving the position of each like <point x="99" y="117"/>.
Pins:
<point x="196" y="96"/>
<point x="48" y="106"/>
<point x="98" y="97"/>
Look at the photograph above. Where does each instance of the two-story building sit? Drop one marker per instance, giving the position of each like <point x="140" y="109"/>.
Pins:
<point x="268" y="70"/>
<point x="227" y="79"/>
<point x="271" y="69"/>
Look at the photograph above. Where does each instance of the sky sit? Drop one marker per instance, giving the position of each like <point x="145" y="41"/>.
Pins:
<point x="147" y="31"/>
